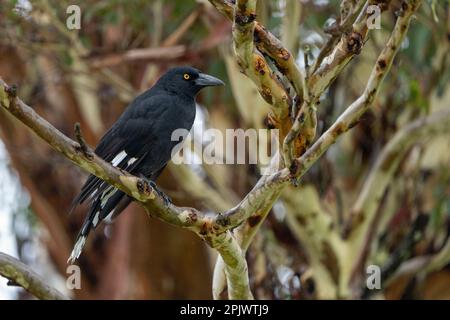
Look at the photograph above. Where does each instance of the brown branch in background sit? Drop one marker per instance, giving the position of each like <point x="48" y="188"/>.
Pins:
<point x="173" y="38"/>
<point x="198" y="188"/>
<point x="423" y="264"/>
<point x="140" y="54"/>
<point x="403" y="251"/>
<point x="20" y="274"/>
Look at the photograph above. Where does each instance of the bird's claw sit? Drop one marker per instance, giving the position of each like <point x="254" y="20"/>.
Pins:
<point x="167" y="200"/>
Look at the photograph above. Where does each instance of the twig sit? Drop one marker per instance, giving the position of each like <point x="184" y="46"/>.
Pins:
<point x="182" y="28"/>
<point x="82" y="144"/>
<point x="335" y="56"/>
<point x="20" y="274"/>
<point x="338" y="29"/>
<point x="423" y="264"/>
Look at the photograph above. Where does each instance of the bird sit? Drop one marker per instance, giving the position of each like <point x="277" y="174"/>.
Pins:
<point x="140" y="142"/>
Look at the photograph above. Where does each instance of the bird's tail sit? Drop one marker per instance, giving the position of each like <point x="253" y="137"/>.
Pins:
<point x="77" y="248"/>
<point x="81" y="240"/>
<point x="105" y="207"/>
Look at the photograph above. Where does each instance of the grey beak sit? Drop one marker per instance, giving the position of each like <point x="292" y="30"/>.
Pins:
<point x="205" y="80"/>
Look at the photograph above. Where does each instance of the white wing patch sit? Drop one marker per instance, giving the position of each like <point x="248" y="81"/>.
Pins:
<point x="118" y="158"/>
<point x="131" y="161"/>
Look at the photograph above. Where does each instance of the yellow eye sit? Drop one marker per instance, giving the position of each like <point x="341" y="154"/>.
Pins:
<point x="186" y="76"/>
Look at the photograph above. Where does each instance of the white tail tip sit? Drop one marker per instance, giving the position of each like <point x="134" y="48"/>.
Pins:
<point x="77" y="249"/>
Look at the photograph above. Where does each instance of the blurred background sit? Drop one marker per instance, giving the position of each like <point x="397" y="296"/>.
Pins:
<point x="90" y="75"/>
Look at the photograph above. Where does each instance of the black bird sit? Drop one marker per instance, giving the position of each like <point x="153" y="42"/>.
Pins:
<point x="140" y="142"/>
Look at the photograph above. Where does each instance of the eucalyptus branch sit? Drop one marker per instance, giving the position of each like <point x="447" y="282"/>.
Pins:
<point x="350" y="117"/>
<point x="253" y="209"/>
<point x="268" y="44"/>
<point x="20" y="274"/>
<point x="304" y="128"/>
<point x="349" y="12"/>
<point x="328" y="67"/>
<point x="233" y="259"/>
<point x="253" y="63"/>
<point x="350" y="9"/>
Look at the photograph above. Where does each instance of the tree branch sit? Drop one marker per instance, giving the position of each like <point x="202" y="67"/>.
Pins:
<point x="20" y="274"/>
<point x="333" y="58"/>
<point x="235" y="266"/>
<point x="353" y="113"/>
<point x="267" y="43"/>
<point x="252" y="62"/>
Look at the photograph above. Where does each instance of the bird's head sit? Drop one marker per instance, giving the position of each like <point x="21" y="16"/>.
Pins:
<point x="187" y="80"/>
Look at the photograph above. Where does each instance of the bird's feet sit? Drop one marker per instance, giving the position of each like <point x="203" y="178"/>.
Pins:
<point x="165" y="197"/>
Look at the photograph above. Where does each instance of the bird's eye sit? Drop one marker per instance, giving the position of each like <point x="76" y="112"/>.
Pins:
<point x="186" y="76"/>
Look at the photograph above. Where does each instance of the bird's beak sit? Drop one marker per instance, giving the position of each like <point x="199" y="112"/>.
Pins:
<point x="205" y="80"/>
